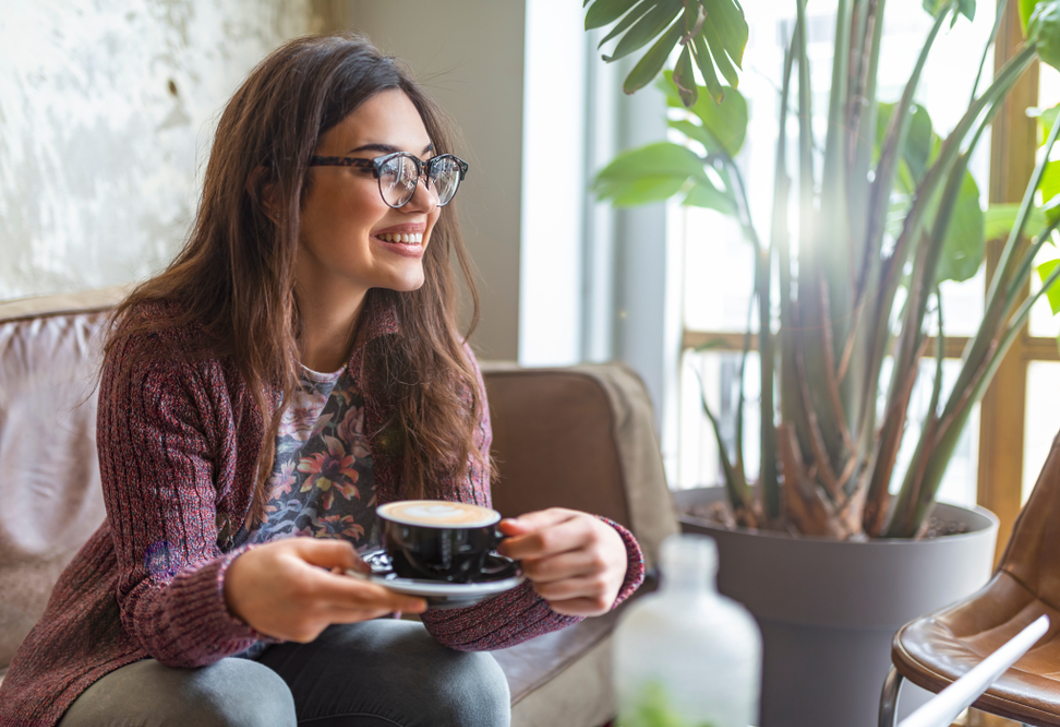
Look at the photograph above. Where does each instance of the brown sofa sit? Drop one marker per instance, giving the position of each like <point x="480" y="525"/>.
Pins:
<point x="579" y="437"/>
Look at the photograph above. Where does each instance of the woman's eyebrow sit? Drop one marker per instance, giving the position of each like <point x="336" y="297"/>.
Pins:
<point x="385" y="148"/>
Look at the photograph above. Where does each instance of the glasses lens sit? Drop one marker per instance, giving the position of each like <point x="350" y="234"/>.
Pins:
<point x="397" y="180"/>
<point x="445" y="178"/>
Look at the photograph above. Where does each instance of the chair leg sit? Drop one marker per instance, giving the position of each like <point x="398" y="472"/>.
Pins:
<point x="892" y="685"/>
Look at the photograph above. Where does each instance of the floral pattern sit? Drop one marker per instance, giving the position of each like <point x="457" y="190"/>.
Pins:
<point x="322" y="483"/>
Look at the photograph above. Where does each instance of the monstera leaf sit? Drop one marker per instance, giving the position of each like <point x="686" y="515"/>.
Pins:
<point x="713" y="34"/>
<point x="1043" y="29"/>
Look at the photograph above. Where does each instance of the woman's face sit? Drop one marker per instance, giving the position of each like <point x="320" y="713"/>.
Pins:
<point x="350" y="240"/>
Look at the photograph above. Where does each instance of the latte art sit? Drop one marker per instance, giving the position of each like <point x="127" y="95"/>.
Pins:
<point x="438" y="513"/>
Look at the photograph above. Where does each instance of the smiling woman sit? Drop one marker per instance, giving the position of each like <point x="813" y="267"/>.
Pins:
<point x="352" y="238"/>
<point x="297" y="365"/>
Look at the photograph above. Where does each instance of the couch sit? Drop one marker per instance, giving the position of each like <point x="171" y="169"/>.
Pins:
<point x="579" y="437"/>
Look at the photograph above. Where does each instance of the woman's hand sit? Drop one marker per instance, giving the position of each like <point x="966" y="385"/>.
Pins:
<point x="293" y="589"/>
<point x="576" y="561"/>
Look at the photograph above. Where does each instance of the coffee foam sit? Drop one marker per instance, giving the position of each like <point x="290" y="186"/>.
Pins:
<point x="438" y="513"/>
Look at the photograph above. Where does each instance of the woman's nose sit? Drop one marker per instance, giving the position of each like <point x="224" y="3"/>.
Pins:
<point x="424" y="199"/>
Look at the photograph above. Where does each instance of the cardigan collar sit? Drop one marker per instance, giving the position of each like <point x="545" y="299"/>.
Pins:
<point x="379" y="318"/>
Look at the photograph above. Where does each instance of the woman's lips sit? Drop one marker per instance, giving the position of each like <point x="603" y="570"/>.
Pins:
<point x="406" y="245"/>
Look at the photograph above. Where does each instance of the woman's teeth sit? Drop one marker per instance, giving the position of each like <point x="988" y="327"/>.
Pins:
<point x="412" y="239"/>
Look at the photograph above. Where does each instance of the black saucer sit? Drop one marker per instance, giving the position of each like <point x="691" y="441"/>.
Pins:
<point x="442" y="594"/>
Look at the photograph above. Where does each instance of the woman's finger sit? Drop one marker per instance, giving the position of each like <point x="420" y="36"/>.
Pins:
<point x="571" y="533"/>
<point x="566" y="565"/>
<point x="582" y="586"/>
<point x="538" y="520"/>
<point x="326" y="553"/>
<point x="345" y="592"/>
<point x="581" y="607"/>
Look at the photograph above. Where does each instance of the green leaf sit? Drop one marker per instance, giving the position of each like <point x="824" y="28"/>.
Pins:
<point x="934" y="7"/>
<point x="693" y="131"/>
<point x="711" y="34"/>
<point x="1046" y="119"/>
<point x="723" y="124"/>
<point x="962" y="252"/>
<point x="963" y="7"/>
<point x="1052" y="210"/>
<point x="1026" y="8"/>
<point x="634" y="15"/>
<point x="706" y="67"/>
<point x="998" y="220"/>
<point x="727" y="17"/>
<point x="1053" y="293"/>
<point x="648" y="174"/>
<point x="1049" y="186"/>
<point x="652" y="62"/>
<point x="921" y="143"/>
<point x="654" y="22"/>
<point x="704" y="194"/>
<point x="684" y="78"/>
<point x="646" y="190"/>
<point x="605" y="12"/>
<point x="1043" y="28"/>
<point x="693" y="14"/>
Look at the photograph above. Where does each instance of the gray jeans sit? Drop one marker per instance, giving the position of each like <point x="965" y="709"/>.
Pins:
<point x="373" y="674"/>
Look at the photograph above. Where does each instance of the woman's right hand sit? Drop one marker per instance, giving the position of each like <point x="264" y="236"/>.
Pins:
<point x="293" y="589"/>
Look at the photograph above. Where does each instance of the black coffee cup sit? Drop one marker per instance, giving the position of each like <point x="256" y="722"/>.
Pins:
<point x="442" y="541"/>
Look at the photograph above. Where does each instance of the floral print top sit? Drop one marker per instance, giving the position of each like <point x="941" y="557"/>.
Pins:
<point x="322" y="484"/>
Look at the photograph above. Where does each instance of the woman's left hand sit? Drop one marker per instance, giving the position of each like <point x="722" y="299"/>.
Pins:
<point x="576" y="561"/>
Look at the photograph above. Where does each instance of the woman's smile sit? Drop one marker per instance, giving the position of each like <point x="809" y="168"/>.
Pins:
<point x="406" y="240"/>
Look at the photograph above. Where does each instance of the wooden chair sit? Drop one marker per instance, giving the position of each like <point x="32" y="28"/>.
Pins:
<point x="933" y="651"/>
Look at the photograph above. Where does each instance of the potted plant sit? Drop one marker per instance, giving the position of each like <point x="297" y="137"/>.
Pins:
<point x="886" y="210"/>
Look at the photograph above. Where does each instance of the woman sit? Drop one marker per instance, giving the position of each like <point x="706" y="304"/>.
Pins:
<point x="296" y="365"/>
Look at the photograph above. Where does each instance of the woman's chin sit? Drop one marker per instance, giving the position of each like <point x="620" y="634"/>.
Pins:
<point x="405" y="283"/>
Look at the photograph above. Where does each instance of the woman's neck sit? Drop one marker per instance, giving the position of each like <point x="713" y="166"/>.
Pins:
<point x="327" y="330"/>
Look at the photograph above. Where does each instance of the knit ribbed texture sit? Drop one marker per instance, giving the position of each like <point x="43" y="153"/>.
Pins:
<point x="178" y="443"/>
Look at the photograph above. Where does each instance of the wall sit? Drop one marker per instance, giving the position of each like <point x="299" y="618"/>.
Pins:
<point x="469" y="54"/>
<point x="106" y="111"/>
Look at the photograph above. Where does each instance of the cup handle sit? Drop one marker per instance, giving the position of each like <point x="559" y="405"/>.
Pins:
<point x="496" y="538"/>
<point x="501" y="569"/>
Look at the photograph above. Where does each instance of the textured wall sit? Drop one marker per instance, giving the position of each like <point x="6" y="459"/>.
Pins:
<point x="107" y="108"/>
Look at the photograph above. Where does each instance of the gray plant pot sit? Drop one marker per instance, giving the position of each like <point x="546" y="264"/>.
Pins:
<point x="828" y="609"/>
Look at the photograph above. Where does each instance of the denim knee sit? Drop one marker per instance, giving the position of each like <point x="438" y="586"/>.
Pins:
<point x="388" y="672"/>
<point x="230" y="693"/>
<point x="475" y="692"/>
<point x="241" y="693"/>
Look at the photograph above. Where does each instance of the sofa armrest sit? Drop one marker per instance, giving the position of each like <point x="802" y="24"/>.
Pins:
<point x="581" y="437"/>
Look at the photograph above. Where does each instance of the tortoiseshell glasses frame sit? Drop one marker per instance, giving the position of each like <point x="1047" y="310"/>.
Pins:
<point x="395" y="174"/>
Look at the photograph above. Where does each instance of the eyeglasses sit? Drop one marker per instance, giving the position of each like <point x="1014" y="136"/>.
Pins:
<point x="399" y="173"/>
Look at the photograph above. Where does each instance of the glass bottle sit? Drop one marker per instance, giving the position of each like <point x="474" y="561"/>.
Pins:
<point x="687" y="656"/>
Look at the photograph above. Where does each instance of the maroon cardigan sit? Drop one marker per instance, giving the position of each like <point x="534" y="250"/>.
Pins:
<point x="178" y="443"/>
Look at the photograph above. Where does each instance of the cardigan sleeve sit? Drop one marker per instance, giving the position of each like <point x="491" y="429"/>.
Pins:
<point x="158" y="435"/>
<point x="519" y="614"/>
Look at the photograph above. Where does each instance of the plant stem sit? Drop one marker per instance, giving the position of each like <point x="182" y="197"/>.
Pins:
<point x="779" y="240"/>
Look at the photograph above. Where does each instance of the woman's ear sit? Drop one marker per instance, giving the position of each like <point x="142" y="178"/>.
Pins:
<point x="262" y="190"/>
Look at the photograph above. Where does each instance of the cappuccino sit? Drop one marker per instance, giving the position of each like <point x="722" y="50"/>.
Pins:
<point x="438" y="513"/>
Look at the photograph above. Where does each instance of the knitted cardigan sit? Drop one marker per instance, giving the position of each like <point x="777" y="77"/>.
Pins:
<point x="178" y="443"/>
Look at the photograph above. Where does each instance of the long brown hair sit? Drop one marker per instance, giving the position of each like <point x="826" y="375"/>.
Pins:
<point x="235" y="276"/>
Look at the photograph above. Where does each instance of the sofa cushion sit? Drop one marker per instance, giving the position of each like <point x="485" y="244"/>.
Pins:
<point x="49" y="475"/>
